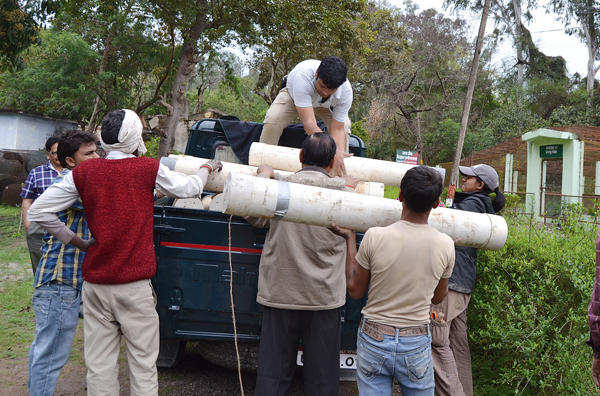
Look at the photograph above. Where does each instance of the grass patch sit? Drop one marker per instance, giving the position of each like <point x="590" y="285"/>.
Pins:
<point x="17" y="315"/>
<point x="13" y="247"/>
<point x="16" y="287"/>
<point x="391" y="192"/>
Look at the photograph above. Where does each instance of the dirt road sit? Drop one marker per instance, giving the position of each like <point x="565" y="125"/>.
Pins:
<point x="194" y="376"/>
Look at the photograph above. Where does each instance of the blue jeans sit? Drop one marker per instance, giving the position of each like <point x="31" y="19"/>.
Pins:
<point x="408" y="359"/>
<point x="56" y="308"/>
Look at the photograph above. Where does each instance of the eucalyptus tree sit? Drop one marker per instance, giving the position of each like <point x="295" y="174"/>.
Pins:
<point x="509" y="17"/>
<point x="587" y="14"/>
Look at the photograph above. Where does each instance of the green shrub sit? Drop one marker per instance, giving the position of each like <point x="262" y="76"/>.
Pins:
<point x="528" y="315"/>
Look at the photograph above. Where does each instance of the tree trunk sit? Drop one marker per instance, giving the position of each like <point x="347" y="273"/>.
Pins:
<point x="592" y="52"/>
<point x="414" y="128"/>
<point x="103" y="63"/>
<point x="519" y="44"/>
<point x="179" y="103"/>
<point x="468" y="99"/>
<point x="201" y="90"/>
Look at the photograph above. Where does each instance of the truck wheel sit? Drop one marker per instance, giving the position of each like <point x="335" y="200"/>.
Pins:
<point x="222" y="353"/>
<point x="171" y="352"/>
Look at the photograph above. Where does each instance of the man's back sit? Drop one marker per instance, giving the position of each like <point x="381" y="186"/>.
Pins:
<point x="118" y="204"/>
<point x="406" y="261"/>
<point x="302" y="266"/>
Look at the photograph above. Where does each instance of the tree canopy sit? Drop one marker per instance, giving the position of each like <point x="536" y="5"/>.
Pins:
<point x="408" y="67"/>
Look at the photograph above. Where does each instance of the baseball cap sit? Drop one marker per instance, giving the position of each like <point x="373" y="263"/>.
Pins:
<point x="486" y="173"/>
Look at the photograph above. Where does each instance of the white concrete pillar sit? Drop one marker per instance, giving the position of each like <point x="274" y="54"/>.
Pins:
<point x="543" y="187"/>
<point x="515" y="181"/>
<point x="508" y="181"/>
<point x="597" y="185"/>
<point x="244" y="195"/>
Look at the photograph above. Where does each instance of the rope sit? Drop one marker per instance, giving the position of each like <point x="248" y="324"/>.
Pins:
<point x="237" y="351"/>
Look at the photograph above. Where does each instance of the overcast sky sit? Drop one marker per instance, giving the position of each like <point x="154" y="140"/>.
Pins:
<point x="547" y="33"/>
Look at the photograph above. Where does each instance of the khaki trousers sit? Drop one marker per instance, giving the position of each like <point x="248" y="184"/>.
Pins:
<point x="283" y="112"/>
<point x="35" y="240"/>
<point x="450" y="347"/>
<point x="109" y="312"/>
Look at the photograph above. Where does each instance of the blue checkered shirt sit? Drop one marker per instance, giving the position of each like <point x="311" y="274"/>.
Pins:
<point x="38" y="180"/>
<point x="63" y="262"/>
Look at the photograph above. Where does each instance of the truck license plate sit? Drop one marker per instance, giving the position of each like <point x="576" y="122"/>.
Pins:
<point x="347" y="359"/>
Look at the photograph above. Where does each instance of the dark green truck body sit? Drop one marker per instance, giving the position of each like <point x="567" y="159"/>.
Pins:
<point x="193" y="274"/>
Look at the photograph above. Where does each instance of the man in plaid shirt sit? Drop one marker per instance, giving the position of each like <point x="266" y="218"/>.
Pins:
<point x="58" y="280"/>
<point x="38" y="180"/>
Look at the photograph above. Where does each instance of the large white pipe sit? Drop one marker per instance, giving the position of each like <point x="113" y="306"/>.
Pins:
<point x="260" y="197"/>
<point x="367" y="169"/>
<point x="189" y="165"/>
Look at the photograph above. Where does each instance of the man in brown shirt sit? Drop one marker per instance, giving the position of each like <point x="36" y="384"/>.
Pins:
<point x="405" y="267"/>
<point x="302" y="287"/>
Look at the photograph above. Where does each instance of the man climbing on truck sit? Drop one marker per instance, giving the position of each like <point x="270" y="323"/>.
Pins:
<point x="118" y="196"/>
<point x="406" y="267"/>
<point x="314" y="88"/>
<point x="302" y="287"/>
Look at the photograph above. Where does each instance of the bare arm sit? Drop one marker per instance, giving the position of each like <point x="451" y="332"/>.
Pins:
<point x="338" y="134"/>
<point x="24" y="208"/>
<point x="307" y="116"/>
<point x="82" y="244"/>
<point x="440" y="291"/>
<point x="357" y="278"/>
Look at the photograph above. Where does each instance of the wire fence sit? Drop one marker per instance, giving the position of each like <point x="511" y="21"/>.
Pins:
<point x="554" y="206"/>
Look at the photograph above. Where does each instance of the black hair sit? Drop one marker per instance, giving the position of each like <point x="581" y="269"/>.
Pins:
<point x="421" y="187"/>
<point x="70" y="142"/>
<point x="111" y="125"/>
<point x="318" y="149"/>
<point x="499" y="201"/>
<point x="51" y="142"/>
<point x="332" y="71"/>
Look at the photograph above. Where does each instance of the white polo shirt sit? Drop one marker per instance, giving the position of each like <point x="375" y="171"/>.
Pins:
<point x="301" y="87"/>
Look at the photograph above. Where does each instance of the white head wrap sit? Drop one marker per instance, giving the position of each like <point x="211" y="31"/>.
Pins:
<point x="130" y="135"/>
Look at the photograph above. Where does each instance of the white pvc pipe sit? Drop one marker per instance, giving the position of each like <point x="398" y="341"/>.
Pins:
<point x="367" y="169"/>
<point x="189" y="165"/>
<point x="260" y="197"/>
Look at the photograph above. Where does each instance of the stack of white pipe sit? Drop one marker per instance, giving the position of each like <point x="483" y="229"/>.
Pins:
<point x="189" y="165"/>
<point x="260" y="197"/>
<point x="367" y="169"/>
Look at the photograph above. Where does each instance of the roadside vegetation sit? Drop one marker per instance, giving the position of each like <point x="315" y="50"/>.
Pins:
<point x="528" y="316"/>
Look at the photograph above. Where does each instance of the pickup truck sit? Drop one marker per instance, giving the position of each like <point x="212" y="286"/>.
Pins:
<point x="193" y="275"/>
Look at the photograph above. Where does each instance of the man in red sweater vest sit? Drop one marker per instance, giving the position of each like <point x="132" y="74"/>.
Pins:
<point x="118" y="196"/>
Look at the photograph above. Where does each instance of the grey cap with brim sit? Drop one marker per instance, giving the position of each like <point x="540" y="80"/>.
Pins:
<point x="486" y="173"/>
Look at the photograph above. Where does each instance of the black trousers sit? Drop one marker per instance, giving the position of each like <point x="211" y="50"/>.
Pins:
<point x="279" y="339"/>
